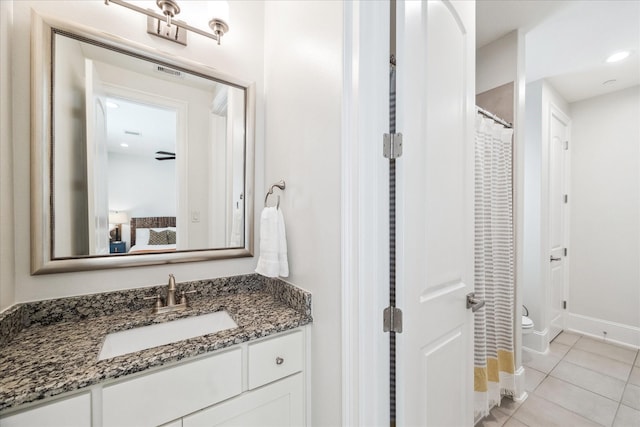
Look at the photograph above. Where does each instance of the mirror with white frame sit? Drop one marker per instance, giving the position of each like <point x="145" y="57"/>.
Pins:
<point x="138" y="158"/>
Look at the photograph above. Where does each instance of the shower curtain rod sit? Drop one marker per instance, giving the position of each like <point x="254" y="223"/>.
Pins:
<point x="494" y="117"/>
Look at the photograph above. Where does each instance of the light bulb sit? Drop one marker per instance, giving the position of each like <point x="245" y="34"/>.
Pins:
<point x="219" y="10"/>
<point x="619" y="56"/>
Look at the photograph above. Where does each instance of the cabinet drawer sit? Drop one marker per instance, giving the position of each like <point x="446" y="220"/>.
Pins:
<point x="165" y="395"/>
<point x="275" y="358"/>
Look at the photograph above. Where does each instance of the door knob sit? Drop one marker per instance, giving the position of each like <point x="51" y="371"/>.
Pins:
<point x="552" y="258"/>
<point x="473" y="303"/>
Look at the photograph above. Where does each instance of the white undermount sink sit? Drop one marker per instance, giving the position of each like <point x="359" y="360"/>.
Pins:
<point x="132" y="340"/>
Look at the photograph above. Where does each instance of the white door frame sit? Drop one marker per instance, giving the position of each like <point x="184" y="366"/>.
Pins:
<point x="365" y="236"/>
<point x="365" y="259"/>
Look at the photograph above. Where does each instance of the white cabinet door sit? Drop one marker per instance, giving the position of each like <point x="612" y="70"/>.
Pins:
<point x="162" y="396"/>
<point x="75" y="411"/>
<point x="279" y="404"/>
<point x="435" y="104"/>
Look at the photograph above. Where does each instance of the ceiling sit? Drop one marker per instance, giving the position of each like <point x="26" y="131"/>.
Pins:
<point x="567" y="42"/>
<point x="145" y="129"/>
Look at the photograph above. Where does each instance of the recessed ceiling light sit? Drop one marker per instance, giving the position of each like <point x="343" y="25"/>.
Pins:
<point x="112" y="104"/>
<point x="618" y="56"/>
<point x="124" y="145"/>
<point x="609" y="82"/>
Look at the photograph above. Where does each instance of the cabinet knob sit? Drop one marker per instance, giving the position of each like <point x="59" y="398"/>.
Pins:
<point x="279" y="360"/>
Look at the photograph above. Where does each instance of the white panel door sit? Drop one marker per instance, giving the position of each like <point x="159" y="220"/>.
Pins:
<point x="557" y="214"/>
<point x="436" y="42"/>
<point x="97" y="162"/>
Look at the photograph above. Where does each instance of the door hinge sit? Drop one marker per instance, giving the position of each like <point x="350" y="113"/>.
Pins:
<point x="566" y="198"/>
<point x="392" y="320"/>
<point x="392" y="145"/>
<point x="564" y="305"/>
<point x="566" y="145"/>
<point x="565" y="251"/>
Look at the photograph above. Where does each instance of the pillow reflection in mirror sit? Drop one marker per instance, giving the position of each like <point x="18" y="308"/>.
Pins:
<point x="142" y="234"/>
<point x="158" y="237"/>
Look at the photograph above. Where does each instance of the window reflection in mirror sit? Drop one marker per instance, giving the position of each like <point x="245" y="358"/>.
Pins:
<point x="158" y="145"/>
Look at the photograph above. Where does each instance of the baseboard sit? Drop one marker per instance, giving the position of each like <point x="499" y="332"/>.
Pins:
<point x="617" y="333"/>
<point x="519" y="376"/>
<point x="537" y="341"/>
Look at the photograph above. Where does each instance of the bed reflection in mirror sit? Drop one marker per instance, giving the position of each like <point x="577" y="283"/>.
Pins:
<point x="160" y="146"/>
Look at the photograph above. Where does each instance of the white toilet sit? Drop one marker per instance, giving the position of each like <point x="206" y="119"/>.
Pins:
<point x="527" y="325"/>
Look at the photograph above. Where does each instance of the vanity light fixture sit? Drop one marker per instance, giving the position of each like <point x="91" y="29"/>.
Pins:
<point x="166" y="27"/>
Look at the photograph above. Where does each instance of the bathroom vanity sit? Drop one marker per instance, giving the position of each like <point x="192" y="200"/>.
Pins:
<point x="252" y="374"/>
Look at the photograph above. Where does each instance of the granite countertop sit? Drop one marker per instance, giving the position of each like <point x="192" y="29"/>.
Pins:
<point x="51" y="347"/>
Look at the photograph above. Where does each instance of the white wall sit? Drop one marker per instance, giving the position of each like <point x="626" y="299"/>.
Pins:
<point x="6" y="159"/>
<point x="240" y="54"/>
<point x="535" y="283"/>
<point x="151" y="193"/>
<point x="497" y="63"/>
<point x="303" y="83"/>
<point x="605" y="210"/>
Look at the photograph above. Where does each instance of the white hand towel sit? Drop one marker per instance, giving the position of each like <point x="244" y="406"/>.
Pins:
<point x="273" y="244"/>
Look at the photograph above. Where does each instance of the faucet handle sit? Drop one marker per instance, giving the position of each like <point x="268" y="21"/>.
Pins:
<point x="183" y="296"/>
<point x="158" y="303"/>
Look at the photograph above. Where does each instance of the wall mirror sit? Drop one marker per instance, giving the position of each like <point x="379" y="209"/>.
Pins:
<point x="138" y="158"/>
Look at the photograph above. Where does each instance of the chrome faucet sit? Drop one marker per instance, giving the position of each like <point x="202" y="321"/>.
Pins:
<point x="171" y="304"/>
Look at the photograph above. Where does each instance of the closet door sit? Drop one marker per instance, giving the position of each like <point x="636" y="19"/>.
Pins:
<point x="435" y="65"/>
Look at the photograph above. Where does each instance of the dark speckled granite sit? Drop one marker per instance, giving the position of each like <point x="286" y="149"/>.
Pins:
<point x="289" y="294"/>
<point x="11" y="323"/>
<point x="51" y="347"/>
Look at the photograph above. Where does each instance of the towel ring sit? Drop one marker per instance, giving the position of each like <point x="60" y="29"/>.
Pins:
<point x="281" y="185"/>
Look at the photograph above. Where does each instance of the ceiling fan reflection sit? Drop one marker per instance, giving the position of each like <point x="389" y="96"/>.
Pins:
<point x="165" y="155"/>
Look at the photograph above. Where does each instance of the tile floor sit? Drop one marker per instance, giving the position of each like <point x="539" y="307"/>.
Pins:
<point x="581" y="381"/>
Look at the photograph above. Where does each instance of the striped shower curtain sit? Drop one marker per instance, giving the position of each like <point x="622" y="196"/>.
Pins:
<point x="494" y="265"/>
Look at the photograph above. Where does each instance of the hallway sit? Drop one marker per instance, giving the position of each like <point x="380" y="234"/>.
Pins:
<point x="581" y="381"/>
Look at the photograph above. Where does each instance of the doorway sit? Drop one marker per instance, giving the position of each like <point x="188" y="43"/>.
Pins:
<point x="558" y="218"/>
